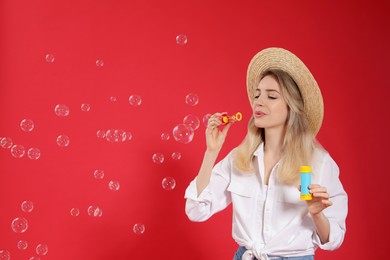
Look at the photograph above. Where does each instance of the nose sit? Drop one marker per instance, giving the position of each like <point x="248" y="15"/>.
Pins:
<point x="259" y="101"/>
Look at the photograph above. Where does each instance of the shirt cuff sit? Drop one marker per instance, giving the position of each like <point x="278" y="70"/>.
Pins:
<point x="335" y="238"/>
<point x="192" y="193"/>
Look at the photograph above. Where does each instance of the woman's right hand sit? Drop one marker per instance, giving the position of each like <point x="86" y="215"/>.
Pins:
<point x="216" y="132"/>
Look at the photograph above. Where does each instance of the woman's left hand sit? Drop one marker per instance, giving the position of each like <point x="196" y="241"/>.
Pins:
<point x="320" y="200"/>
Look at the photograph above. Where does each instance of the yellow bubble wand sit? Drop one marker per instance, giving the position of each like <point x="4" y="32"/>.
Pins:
<point x="236" y="117"/>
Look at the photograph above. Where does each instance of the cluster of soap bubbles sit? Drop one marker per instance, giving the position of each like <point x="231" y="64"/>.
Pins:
<point x="19" y="225"/>
<point x="18" y="150"/>
<point x="168" y="183"/>
<point x="114" y="135"/>
<point x="95" y="210"/>
<point x="112" y="185"/>
<point x="184" y="132"/>
<point x="158" y="158"/>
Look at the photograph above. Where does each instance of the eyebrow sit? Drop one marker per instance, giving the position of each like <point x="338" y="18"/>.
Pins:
<point x="268" y="90"/>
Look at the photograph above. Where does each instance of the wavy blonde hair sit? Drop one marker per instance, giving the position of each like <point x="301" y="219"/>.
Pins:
<point x="298" y="143"/>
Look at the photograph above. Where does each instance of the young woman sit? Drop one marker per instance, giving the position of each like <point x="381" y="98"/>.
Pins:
<point x="260" y="177"/>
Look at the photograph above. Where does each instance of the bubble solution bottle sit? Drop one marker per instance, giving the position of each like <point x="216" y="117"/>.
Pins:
<point x="305" y="173"/>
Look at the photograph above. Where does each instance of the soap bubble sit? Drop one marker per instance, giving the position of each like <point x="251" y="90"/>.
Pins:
<point x="19" y="225"/>
<point x="6" y="142"/>
<point x="113" y="185"/>
<point x="181" y="39"/>
<point x="121" y="135"/>
<point x="176" y="156"/>
<point x="95" y="211"/>
<point x="98" y="174"/>
<point x="50" y="58"/>
<point x="165" y="136"/>
<point x="116" y="135"/>
<point x="22" y="245"/>
<point x="27" y="125"/>
<point x="138" y="228"/>
<point x="158" y="158"/>
<point x="63" y="140"/>
<point x="5" y="255"/>
<point x="113" y="99"/>
<point x="42" y="249"/>
<point x="168" y="183"/>
<point x="27" y="206"/>
<point x="35" y="258"/>
<point x="183" y="133"/>
<point x="101" y="134"/>
<point x="61" y="110"/>
<point x="192" y="121"/>
<point x="135" y="100"/>
<point x="129" y="136"/>
<point x="18" y="151"/>
<point x="206" y="119"/>
<point x="74" y="212"/>
<point x="34" y="153"/>
<point x="85" y="107"/>
<point x="100" y="63"/>
<point x="192" y="99"/>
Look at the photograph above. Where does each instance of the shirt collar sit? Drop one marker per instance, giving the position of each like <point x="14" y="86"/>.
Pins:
<point x="260" y="150"/>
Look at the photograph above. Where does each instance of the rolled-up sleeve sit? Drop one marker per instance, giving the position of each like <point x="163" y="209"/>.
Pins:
<point x="337" y="213"/>
<point x="214" y="198"/>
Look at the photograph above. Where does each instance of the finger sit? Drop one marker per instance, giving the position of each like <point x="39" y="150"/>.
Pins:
<point x="327" y="203"/>
<point x="226" y="128"/>
<point x="212" y="123"/>
<point x="315" y="188"/>
<point x="321" y="195"/>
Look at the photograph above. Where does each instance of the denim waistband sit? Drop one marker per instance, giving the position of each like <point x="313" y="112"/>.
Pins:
<point x="241" y="250"/>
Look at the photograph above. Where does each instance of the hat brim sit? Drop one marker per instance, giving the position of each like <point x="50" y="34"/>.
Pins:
<point x="278" y="58"/>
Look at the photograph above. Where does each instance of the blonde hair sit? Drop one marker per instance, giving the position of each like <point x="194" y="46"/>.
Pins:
<point x="298" y="142"/>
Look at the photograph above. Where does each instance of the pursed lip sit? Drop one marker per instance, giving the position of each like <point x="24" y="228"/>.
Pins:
<point x="259" y="113"/>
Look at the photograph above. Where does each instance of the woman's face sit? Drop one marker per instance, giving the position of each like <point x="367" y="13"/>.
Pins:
<point x="270" y="110"/>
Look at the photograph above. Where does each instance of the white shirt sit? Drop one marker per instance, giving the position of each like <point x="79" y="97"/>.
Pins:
<point x="271" y="220"/>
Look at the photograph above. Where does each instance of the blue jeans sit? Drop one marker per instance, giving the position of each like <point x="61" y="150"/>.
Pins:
<point x="241" y="250"/>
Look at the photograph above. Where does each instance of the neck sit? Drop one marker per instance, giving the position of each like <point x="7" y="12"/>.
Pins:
<point x="273" y="141"/>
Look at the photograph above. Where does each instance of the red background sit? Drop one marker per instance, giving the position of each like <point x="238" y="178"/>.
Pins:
<point x="344" y="43"/>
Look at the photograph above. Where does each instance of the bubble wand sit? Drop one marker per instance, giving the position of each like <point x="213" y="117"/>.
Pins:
<point x="226" y="119"/>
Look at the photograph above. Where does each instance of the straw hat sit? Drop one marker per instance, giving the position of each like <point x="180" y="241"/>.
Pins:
<point x="278" y="58"/>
